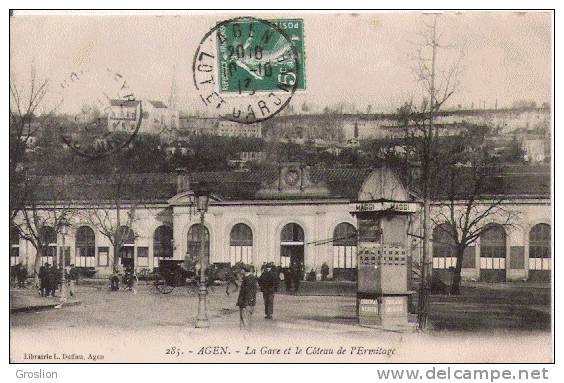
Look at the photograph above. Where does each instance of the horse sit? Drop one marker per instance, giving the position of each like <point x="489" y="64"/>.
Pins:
<point x="232" y="275"/>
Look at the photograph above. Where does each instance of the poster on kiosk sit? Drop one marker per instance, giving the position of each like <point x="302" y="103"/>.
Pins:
<point x="383" y="263"/>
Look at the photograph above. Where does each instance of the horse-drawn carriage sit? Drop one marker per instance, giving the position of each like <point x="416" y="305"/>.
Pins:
<point x="174" y="273"/>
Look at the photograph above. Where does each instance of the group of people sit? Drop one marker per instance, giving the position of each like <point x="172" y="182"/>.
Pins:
<point x="269" y="283"/>
<point x="126" y="276"/>
<point x="19" y="274"/>
<point x="293" y="276"/>
<point x="50" y="279"/>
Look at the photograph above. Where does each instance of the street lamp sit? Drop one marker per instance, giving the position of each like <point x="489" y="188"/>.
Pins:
<point x="202" y="194"/>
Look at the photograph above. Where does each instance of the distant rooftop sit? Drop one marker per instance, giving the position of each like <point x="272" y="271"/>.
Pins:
<point x="158" y="104"/>
<point x="124" y="103"/>
<point x="387" y="115"/>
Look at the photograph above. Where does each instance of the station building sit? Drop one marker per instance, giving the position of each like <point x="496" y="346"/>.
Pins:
<point x="293" y="213"/>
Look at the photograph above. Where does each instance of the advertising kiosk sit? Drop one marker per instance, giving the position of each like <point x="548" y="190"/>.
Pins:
<point x="383" y="263"/>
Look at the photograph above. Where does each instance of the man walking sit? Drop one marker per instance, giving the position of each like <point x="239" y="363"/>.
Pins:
<point x="53" y="276"/>
<point x="295" y="272"/>
<point x="73" y="280"/>
<point x="268" y="283"/>
<point x="114" y="278"/>
<point x="43" y="272"/>
<point x="21" y="275"/>
<point x="247" y="297"/>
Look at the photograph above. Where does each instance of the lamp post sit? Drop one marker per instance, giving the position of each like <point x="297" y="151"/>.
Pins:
<point x="202" y="194"/>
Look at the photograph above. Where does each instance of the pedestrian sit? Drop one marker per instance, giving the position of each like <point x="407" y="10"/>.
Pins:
<point x="287" y="279"/>
<point x="52" y="280"/>
<point x="21" y="275"/>
<point x="43" y="272"/>
<point x="114" y="279"/>
<point x="295" y="271"/>
<point x="247" y="297"/>
<point x="324" y="271"/>
<point x="268" y="283"/>
<point x="130" y="280"/>
<point x="72" y="280"/>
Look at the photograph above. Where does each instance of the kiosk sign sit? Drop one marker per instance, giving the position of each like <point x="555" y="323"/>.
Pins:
<point x="381" y="206"/>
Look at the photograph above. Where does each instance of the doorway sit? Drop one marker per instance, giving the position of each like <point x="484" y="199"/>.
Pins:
<point x="291" y="254"/>
<point x="126" y="257"/>
<point x="292" y="245"/>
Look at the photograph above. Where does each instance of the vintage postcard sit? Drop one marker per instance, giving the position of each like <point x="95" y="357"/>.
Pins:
<point x="333" y="187"/>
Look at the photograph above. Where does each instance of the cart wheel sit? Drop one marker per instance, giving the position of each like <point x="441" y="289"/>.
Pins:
<point x="162" y="286"/>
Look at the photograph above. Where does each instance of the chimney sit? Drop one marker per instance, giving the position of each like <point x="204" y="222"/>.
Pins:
<point x="182" y="180"/>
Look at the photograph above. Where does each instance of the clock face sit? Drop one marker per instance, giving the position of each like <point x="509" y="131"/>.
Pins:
<point x="292" y="177"/>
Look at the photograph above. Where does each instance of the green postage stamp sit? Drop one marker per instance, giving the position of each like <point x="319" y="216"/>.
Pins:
<point x="259" y="56"/>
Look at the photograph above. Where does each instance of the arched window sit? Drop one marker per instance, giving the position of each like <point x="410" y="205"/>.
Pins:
<point x="292" y="233"/>
<point x="444" y="255"/>
<point x="344" y="247"/>
<point x="539" y="247"/>
<point x="241" y="244"/>
<point x="291" y="245"/>
<point x="194" y="239"/>
<point x="492" y="248"/>
<point x="48" y="237"/>
<point x="85" y="244"/>
<point x="14" y="245"/>
<point x="162" y="244"/>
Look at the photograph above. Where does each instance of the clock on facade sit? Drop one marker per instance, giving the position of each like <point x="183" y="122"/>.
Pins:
<point x="292" y="177"/>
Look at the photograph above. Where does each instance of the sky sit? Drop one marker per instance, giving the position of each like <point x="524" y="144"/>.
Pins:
<point x="356" y="59"/>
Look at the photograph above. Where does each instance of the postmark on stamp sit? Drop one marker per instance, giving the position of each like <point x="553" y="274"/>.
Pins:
<point x="261" y="59"/>
<point x="101" y="114"/>
<point x="248" y="69"/>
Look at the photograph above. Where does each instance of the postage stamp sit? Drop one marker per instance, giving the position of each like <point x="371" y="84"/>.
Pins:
<point x="253" y="58"/>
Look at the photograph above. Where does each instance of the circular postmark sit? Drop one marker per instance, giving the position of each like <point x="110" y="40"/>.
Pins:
<point x="99" y="114"/>
<point x="246" y="69"/>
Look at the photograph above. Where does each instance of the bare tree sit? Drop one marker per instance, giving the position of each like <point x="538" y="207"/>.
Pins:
<point x="46" y="206"/>
<point x="422" y="131"/>
<point x="473" y="196"/>
<point x="24" y="105"/>
<point x="113" y="209"/>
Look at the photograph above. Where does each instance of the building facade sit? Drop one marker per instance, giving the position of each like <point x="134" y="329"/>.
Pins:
<point x="156" y="117"/>
<point x="292" y="214"/>
<point x="198" y="126"/>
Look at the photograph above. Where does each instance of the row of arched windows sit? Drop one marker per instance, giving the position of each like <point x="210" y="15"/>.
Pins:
<point x="292" y="241"/>
<point x="493" y="249"/>
<point x="85" y="246"/>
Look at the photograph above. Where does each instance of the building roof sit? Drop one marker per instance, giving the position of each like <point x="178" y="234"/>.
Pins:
<point x="145" y="187"/>
<point x="512" y="181"/>
<point x="157" y="104"/>
<point x="341" y="183"/>
<point x="124" y="103"/>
